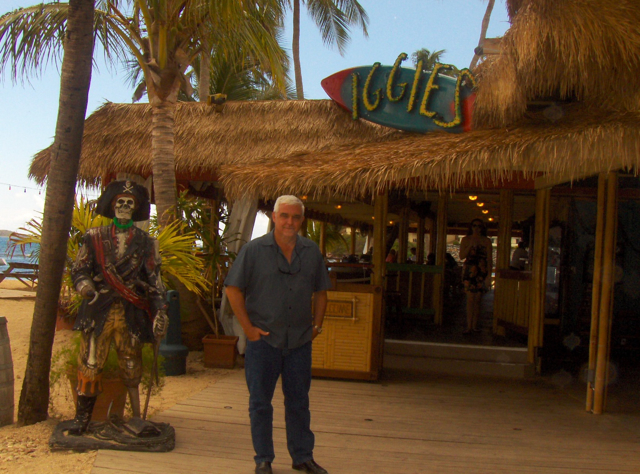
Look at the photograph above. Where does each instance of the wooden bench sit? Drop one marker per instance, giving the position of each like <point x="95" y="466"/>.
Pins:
<point x="27" y="275"/>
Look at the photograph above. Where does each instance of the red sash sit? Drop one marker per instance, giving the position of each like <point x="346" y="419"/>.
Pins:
<point x="113" y="279"/>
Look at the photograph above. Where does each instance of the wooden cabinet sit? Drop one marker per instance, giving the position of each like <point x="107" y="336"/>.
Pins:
<point x="351" y="344"/>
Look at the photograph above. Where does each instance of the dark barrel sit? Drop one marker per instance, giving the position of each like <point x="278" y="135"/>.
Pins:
<point x="6" y="376"/>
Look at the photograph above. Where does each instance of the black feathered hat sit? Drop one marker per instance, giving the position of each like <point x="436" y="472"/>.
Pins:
<point x="116" y="188"/>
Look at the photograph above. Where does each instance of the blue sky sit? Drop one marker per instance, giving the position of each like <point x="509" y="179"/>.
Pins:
<point x="30" y="109"/>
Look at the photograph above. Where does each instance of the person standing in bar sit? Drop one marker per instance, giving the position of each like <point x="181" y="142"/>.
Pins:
<point x="477" y="252"/>
<point x="270" y="287"/>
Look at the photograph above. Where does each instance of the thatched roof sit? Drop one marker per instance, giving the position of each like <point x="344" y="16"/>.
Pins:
<point x="117" y="137"/>
<point x="574" y="147"/>
<point x="575" y="50"/>
<point x="585" y="52"/>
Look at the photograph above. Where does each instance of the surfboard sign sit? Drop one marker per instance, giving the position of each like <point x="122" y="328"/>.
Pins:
<point x="404" y="98"/>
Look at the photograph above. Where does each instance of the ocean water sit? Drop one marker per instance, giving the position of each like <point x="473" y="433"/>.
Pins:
<point x="17" y="255"/>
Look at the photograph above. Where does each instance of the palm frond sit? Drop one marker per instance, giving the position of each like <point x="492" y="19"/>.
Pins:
<point x="179" y="258"/>
<point x="332" y="22"/>
<point x="27" y="236"/>
<point x="31" y="38"/>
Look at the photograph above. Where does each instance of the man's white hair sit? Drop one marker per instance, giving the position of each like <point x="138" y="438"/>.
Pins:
<point x="288" y="199"/>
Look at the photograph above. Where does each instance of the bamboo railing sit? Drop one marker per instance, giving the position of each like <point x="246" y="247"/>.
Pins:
<point x="414" y="285"/>
<point x="512" y="303"/>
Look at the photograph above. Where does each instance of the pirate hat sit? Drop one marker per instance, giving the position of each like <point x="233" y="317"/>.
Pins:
<point x="116" y="188"/>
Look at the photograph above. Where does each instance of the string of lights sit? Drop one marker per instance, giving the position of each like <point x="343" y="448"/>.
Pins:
<point x="17" y="187"/>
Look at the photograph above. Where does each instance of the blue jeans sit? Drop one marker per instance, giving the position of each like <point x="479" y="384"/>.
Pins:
<point x="263" y="366"/>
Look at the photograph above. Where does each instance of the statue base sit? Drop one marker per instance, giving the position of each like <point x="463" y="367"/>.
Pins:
<point x="115" y="434"/>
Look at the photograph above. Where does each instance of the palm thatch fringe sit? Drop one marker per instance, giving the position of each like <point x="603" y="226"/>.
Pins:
<point x="117" y="137"/>
<point x="577" y="50"/>
<point x="576" y="146"/>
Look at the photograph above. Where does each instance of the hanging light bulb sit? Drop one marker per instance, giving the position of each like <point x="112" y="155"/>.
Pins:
<point x="485" y="211"/>
<point x="473" y="198"/>
<point x="338" y="206"/>
<point x="479" y="204"/>
<point x="490" y="219"/>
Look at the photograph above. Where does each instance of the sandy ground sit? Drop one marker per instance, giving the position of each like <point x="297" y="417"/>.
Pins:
<point x="25" y="449"/>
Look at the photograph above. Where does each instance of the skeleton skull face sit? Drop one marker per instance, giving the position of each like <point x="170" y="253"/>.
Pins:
<point x="124" y="206"/>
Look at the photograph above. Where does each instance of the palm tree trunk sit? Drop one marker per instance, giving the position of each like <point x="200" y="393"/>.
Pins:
<point x="58" y="210"/>
<point x="295" y="47"/>
<point x="204" y="81"/>
<point x="163" y="160"/>
<point x="483" y="32"/>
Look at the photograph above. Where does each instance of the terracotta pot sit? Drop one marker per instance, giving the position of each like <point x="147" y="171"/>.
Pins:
<point x="220" y="352"/>
<point x="113" y="390"/>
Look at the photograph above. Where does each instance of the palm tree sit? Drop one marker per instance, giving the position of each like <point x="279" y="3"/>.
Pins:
<point x="245" y="79"/>
<point x="332" y="235"/>
<point x="58" y="210"/>
<point x="164" y="38"/>
<point x="333" y="18"/>
<point x="483" y="34"/>
<point x="428" y="58"/>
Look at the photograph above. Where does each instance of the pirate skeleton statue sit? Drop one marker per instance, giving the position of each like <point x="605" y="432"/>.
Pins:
<point x="117" y="272"/>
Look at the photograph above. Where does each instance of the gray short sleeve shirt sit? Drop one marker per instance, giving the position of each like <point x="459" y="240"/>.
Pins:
<point x="278" y="293"/>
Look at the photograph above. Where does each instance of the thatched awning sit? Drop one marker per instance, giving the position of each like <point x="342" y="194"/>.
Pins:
<point x="574" y="147"/>
<point x="584" y="51"/>
<point x="117" y="137"/>
<point x="574" y="50"/>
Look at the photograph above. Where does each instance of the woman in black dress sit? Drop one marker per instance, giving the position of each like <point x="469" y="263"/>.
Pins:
<point x="477" y="252"/>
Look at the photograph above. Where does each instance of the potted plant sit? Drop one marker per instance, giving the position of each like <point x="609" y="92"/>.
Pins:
<point x="112" y="400"/>
<point x="202" y="219"/>
<point x="220" y="350"/>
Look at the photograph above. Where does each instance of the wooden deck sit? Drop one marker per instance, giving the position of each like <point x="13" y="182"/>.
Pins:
<point x="402" y="424"/>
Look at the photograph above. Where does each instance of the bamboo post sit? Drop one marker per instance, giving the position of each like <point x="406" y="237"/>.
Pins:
<point x="606" y="295"/>
<point x="323" y="238"/>
<point x="432" y="235"/>
<point x="504" y="248"/>
<point x="420" y="239"/>
<point x="380" y="204"/>
<point x="504" y="229"/>
<point x="404" y="235"/>
<point x="353" y="241"/>
<point x="539" y="273"/>
<point x="441" y="250"/>
<point x="596" y="287"/>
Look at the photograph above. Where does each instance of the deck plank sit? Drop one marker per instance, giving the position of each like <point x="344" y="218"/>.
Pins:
<point x="403" y="424"/>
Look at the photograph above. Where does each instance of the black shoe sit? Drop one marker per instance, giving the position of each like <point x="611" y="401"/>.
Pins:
<point x="264" y="468"/>
<point x="311" y="467"/>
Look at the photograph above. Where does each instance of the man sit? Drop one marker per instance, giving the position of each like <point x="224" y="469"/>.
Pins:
<point x="519" y="257"/>
<point x="117" y="271"/>
<point x="270" y="288"/>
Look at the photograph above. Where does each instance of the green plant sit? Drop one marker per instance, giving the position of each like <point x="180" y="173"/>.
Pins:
<point x="64" y="364"/>
<point x="201" y="220"/>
